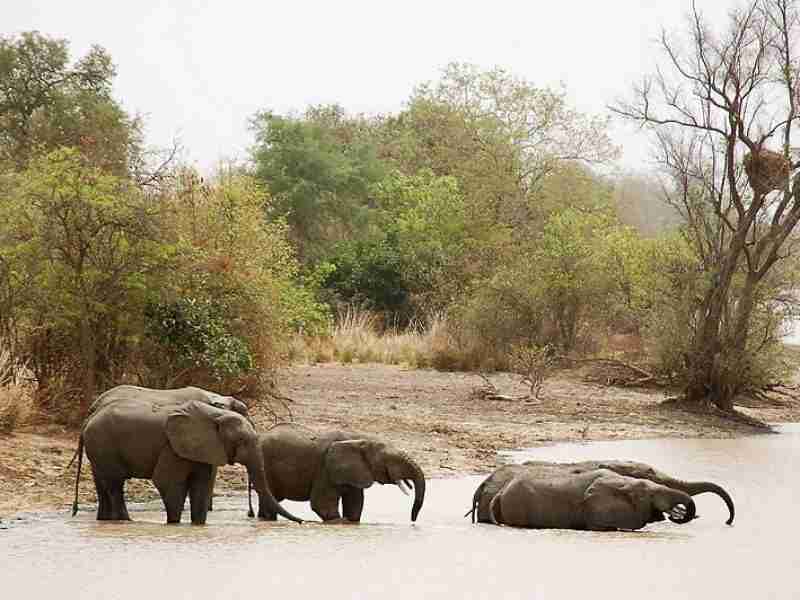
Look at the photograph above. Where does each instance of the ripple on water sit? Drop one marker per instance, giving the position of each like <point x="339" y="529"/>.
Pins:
<point x="443" y="555"/>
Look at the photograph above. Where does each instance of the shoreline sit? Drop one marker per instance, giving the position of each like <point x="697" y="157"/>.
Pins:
<point x="442" y="419"/>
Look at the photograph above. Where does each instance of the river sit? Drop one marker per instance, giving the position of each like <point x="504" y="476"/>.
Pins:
<point x="443" y="555"/>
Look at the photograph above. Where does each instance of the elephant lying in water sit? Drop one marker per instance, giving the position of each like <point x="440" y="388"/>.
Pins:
<point x="174" y="437"/>
<point x="492" y="485"/>
<point x="326" y="467"/>
<point x="598" y="500"/>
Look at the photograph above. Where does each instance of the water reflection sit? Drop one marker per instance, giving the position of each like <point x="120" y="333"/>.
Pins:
<point x="443" y="555"/>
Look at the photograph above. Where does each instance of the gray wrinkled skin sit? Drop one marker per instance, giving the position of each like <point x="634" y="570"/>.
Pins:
<point x="545" y="470"/>
<point x="177" y="438"/>
<point x="327" y="467"/>
<point x="597" y="500"/>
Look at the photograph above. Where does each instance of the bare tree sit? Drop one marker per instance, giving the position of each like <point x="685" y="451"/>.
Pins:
<point x="715" y="105"/>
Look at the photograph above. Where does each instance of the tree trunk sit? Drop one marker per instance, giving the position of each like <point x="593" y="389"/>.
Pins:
<point x="719" y="366"/>
<point x="88" y="358"/>
<point x="705" y="358"/>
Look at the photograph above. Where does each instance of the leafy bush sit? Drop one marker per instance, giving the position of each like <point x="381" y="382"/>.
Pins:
<point x="412" y="263"/>
<point x="227" y="313"/>
<point x="195" y="334"/>
<point x="369" y="272"/>
<point x="82" y="246"/>
<point x="675" y="284"/>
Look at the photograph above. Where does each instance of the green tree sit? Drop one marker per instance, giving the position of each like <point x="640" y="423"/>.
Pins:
<point x="499" y="135"/>
<point x="234" y="296"/>
<point x="715" y="107"/>
<point x="413" y="260"/>
<point x="319" y="169"/>
<point x="46" y="102"/>
<point x="78" y="245"/>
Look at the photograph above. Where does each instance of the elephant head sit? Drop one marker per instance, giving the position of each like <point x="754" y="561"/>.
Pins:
<point x="644" y="471"/>
<point x="203" y="433"/>
<point x="226" y="403"/>
<point x="623" y="502"/>
<point x="361" y="462"/>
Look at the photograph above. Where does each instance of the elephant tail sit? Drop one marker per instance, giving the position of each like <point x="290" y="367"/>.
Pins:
<point x="79" y="454"/>
<point x="250" y="512"/>
<point x="472" y="512"/>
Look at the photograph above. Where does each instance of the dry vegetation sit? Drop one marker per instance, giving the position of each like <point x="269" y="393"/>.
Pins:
<point x="357" y="338"/>
<point x="442" y="418"/>
<point x="16" y="404"/>
<point x="16" y="398"/>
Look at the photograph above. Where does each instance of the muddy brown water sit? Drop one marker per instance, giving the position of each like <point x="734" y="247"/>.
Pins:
<point x="443" y="555"/>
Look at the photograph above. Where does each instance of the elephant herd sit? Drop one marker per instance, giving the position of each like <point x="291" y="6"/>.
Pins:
<point x="177" y="438"/>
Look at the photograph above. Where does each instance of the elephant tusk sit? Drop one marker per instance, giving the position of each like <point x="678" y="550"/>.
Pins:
<point x="404" y="487"/>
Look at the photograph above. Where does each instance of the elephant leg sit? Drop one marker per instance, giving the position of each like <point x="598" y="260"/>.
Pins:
<point x="353" y="504"/>
<point x="199" y="492"/>
<point x="211" y="483"/>
<point x="119" y="512"/>
<point x="103" y="499"/>
<point x="171" y="478"/>
<point x="111" y="500"/>
<point x="325" y="502"/>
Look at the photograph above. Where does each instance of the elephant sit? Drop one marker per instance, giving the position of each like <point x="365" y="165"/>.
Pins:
<point x="169" y="397"/>
<point x="596" y="500"/>
<point x="489" y="488"/>
<point x="173" y="437"/>
<point x="325" y="467"/>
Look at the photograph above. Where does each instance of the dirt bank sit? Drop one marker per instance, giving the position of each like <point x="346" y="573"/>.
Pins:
<point x="440" y="418"/>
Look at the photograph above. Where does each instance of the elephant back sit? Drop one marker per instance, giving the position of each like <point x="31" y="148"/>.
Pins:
<point x="292" y="459"/>
<point x="126" y="431"/>
<point x="490" y="487"/>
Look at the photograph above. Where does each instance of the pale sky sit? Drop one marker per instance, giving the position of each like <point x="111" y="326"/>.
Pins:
<point x="199" y="70"/>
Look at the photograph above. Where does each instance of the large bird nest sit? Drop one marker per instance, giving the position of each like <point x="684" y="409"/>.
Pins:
<point x="767" y="170"/>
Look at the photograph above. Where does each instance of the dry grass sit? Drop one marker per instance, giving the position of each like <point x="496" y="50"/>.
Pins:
<point x="356" y="338"/>
<point x="16" y="405"/>
<point x="16" y="399"/>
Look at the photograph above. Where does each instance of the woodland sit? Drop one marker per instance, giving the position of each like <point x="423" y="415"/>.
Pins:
<point x="484" y="227"/>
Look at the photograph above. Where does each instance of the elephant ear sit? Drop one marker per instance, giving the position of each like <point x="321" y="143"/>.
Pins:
<point x="346" y="464"/>
<point x="193" y="433"/>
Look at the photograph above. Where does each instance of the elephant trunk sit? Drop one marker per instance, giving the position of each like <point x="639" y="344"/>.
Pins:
<point x="669" y="499"/>
<point x="410" y="470"/>
<point x="691" y="513"/>
<point x="699" y="487"/>
<point x="258" y="476"/>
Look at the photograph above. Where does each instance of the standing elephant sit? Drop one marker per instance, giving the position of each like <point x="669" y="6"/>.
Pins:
<point x="598" y="500"/>
<point x="173" y="397"/>
<point x="146" y="434"/>
<point x="489" y="488"/>
<point x="326" y="467"/>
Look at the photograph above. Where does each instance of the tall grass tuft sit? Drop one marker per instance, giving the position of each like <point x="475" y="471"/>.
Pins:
<point x="357" y="337"/>
<point x="16" y="399"/>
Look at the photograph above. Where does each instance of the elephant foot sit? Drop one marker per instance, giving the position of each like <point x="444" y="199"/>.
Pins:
<point x="267" y="516"/>
<point x="339" y="521"/>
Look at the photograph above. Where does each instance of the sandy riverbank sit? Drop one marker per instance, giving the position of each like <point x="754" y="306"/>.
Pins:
<point x="438" y="417"/>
